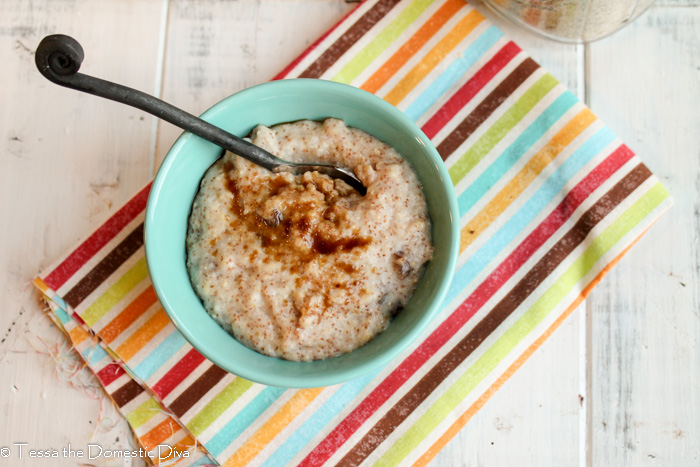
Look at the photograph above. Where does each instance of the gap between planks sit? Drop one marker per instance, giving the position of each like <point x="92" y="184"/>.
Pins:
<point x="585" y="318"/>
<point x="159" y="84"/>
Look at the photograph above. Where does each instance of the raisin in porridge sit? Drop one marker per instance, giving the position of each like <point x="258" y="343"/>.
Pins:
<point x="302" y="267"/>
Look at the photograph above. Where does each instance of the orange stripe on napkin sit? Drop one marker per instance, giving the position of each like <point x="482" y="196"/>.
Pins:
<point x="186" y="442"/>
<point x="418" y="40"/>
<point x="272" y="427"/>
<point x="177" y="450"/>
<point x="128" y="315"/>
<point x="143" y="335"/>
<point x="78" y="335"/>
<point x="435" y="56"/>
<point x="527" y="174"/>
<point x="159" y="433"/>
<point x="474" y="408"/>
<point x="41" y="285"/>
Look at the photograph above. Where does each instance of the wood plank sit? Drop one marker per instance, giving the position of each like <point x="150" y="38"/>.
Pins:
<point x="209" y="58"/>
<point x="680" y="3"/>
<point x="533" y="417"/>
<point x="513" y="418"/>
<point x="68" y="161"/>
<point x="537" y="414"/>
<point x="646" y="313"/>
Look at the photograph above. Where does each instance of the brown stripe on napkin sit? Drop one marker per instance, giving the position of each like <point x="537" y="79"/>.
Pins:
<point x="472" y="121"/>
<point x="544" y="267"/>
<point x="349" y="38"/>
<point x="105" y="268"/>
<point x="126" y="393"/>
<point x="197" y="390"/>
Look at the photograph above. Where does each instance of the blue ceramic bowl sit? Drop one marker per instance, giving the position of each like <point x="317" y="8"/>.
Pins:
<point x="178" y="180"/>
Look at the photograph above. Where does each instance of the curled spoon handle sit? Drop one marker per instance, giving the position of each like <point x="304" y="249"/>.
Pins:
<point x="58" y="57"/>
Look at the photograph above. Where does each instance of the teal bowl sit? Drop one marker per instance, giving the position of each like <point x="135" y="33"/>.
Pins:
<point x="177" y="182"/>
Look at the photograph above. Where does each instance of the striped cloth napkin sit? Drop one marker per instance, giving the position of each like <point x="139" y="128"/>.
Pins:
<point x="549" y="199"/>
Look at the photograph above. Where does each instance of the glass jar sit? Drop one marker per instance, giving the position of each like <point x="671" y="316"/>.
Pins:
<point x="571" y="20"/>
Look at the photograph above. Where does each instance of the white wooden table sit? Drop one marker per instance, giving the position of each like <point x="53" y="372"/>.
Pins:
<point x="618" y="384"/>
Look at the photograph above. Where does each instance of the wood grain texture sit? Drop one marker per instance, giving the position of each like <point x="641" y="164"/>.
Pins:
<point x="680" y="3"/>
<point x="51" y="134"/>
<point x="215" y="49"/>
<point x="67" y="161"/>
<point x="646" y="313"/>
<point x="539" y="407"/>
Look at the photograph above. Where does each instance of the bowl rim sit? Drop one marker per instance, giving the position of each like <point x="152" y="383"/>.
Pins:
<point x="363" y="368"/>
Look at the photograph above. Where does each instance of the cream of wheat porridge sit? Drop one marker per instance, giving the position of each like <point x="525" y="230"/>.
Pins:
<point x="303" y="267"/>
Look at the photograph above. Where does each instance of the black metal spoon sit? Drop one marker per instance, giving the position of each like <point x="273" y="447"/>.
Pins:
<point x="58" y="58"/>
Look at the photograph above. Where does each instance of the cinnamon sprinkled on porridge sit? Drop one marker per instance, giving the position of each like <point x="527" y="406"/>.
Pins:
<point x="303" y="267"/>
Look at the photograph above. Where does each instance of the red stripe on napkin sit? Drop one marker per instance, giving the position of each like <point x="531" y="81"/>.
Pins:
<point x="56" y="278"/>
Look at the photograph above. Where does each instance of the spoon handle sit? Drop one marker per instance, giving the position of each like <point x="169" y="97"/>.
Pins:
<point x="58" y="58"/>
